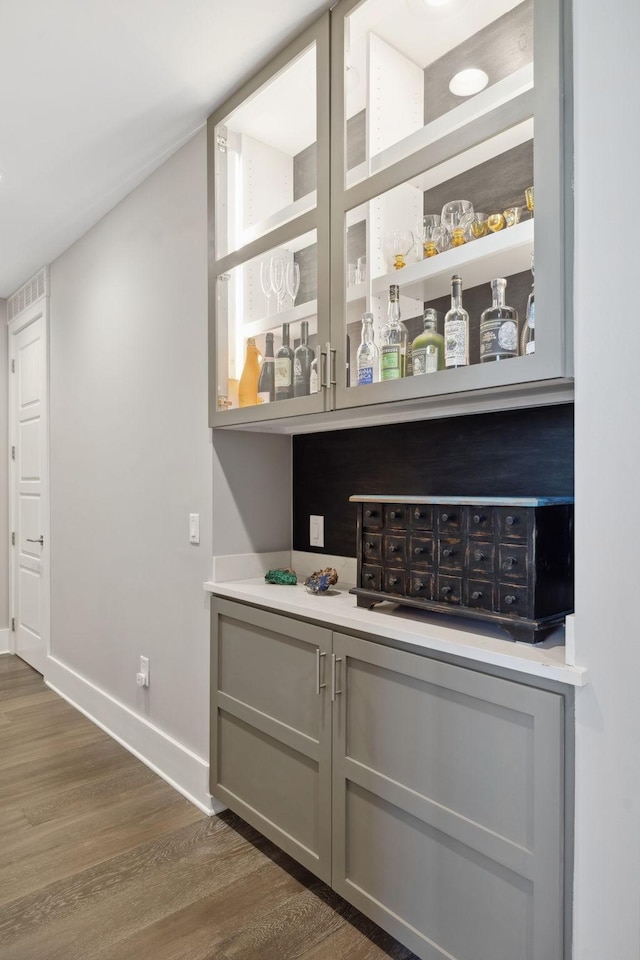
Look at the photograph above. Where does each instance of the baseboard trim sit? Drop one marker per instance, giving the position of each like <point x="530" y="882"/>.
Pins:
<point x="182" y="769"/>
<point x="5" y="637"/>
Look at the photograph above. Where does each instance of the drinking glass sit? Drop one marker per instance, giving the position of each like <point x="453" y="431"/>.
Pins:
<point x="434" y="236"/>
<point x="528" y="196"/>
<point x="397" y="246"/>
<point x="361" y="270"/>
<point x="351" y="274"/>
<point x="276" y="273"/>
<point x="292" y="280"/>
<point x="456" y="217"/>
<point x="513" y="215"/>
<point x="265" y="282"/>
<point x="495" y="222"/>
<point x="478" y="227"/>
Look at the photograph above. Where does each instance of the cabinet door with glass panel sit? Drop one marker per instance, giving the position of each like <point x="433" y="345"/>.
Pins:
<point x="442" y="125"/>
<point x="269" y="239"/>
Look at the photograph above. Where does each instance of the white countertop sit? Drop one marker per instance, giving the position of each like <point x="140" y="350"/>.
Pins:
<point x="481" y="642"/>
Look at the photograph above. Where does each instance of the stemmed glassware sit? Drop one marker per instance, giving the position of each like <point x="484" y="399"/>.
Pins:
<point x="433" y="235"/>
<point x="292" y="280"/>
<point x="456" y="217"/>
<point x="397" y="247"/>
<point x="276" y="273"/>
<point x="265" y="282"/>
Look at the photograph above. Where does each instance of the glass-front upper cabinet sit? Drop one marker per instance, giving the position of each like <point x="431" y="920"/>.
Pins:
<point x="268" y="149"/>
<point x="442" y="123"/>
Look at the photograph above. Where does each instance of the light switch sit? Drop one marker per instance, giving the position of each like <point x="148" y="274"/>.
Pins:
<point x="194" y="528"/>
<point x="316" y="531"/>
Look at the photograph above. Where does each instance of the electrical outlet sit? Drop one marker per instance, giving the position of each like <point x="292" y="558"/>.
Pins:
<point x="142" y="677"/>
<point x="194" y="528"/>
<point x="316" y="531"/>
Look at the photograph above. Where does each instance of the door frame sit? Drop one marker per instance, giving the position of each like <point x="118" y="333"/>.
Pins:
<point x="35" y="311"/>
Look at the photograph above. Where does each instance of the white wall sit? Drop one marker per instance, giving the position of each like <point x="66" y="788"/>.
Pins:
<point x="131" y="457"/>
<point x="4" y="480"/>
<point x="607" y="147"/>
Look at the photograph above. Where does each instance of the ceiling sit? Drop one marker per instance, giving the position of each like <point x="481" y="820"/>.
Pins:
<point x="95" y="95"/>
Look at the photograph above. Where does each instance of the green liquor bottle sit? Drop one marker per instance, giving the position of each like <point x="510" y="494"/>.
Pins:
<point x="427" y="349"/>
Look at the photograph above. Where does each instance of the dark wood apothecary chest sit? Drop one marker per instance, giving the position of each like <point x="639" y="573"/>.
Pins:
<point x="508" y="561"/>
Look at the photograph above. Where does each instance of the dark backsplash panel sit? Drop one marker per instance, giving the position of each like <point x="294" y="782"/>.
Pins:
<point x="510" y="453"/>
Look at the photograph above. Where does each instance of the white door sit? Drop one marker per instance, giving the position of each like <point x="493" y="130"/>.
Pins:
<point x="28" y="438"/>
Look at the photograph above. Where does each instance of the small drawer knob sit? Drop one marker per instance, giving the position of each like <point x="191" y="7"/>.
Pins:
<point x="393" y="581"/>
<point x="418" y="585"/>
<point x="368" y="576"/>
<point x="511" y="521"/>
<point x="476" y="595"/>
<point x="509" y="563"/>
<point x="393" y="548"/>
<point x="418" y="551"/>
<point x="446" y="591"/>
<point x="479" y="556"/>
<point x="478" y="518"/>
<point x="510" y="599"/>
<point x="393" y="514"/>
<point x="369" y="513"/>
<point x="444" y="517"/>
<point x="368" y="545"/>
<point x="418" y="514"/>
<point x="448" y="552"/>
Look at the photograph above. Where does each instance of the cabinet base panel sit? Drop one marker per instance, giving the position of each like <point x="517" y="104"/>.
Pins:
<point x="521" y="629"/>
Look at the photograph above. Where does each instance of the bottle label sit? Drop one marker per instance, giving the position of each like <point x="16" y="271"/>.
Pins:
<point x="425" y="360"/>
<point x="455" y="337"/>
<point x="390" y="362"/>
<point x="530" y="347"/>
<point x="264" y="397"/>
<point x="365" y="375"/>
<point x="498" y="338"/>
<point x="531" y="315"/>
<point x="283" y="372"/>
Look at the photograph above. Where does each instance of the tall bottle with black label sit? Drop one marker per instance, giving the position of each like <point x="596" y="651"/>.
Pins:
<point x="498" y="327"/>
<point x="393" y="340"/>
<point x="456" y="329"/>
<point x="267" y="381"/>
<point x="303" y="357"/>
<point x="284" y="367"/>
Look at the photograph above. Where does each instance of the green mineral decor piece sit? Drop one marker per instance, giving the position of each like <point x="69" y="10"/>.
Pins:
<point x="282" y="575"/>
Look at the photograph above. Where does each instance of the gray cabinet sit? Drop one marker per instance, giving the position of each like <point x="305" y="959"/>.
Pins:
<point x="427" y="794"/>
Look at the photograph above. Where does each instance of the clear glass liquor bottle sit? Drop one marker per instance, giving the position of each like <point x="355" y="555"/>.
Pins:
<point x="368" y="355"/>
<point x="393" y="338"/>
<point x="303" y="357"/>
<point x="456" y="329"/>
<point x="528" y="337"/>
<point x="427" y="350"/>
<point x="498" y="327"/>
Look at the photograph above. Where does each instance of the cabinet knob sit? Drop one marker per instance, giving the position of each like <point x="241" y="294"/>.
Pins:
<point x="448" y="552"/>
<point x="418" y="514"/>
<point x="508" y="563"/>
<point x="444" y="517"/>
<point x="418" y="585"/>
<point x="393" y="581"/>
<point x="478" y="518"/>
<point x="479" y="556"/>
<point x="368" y="545"/>
<point x="510" y="599"/>
<point x="393" y="548"/>
<point x="393" y="514"/>
<point x="511" y="521"/>
<point x="446" y="591"/>
<point x="368" y="576"/>
<point x="370" y="513"/>
<point x="418" y="551"/>
<point x="476" y="595"/>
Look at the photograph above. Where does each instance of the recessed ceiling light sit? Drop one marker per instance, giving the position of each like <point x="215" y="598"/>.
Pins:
<point x="468" y="82"/>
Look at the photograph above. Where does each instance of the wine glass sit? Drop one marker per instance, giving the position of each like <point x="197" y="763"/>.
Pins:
<point x="456" y="217"/>
<point x="479" y="227"/>
<point x="495" y="222"/>
<point x="434" y="236"/>
<point x="265" y="282"/>
<point x="292" y="280"/>
<point x="398" y="245"/>
<point x="276" y="273"/>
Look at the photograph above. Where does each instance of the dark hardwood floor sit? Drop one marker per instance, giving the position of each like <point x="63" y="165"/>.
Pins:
<point x="101" y="860"/>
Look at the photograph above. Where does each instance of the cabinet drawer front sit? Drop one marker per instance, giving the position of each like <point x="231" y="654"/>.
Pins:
<point x="395" y="550"/>
<point x="449" y="590"/>
<point x="371" y="577"/>
<point x="421" y="585"/>
<point x="480" y="594"/>
<point x="513" y="562"/>
<point x="480" y="522"/>
<point x="449" y="520"/>
<point x="395" y="582"/>
<point x="371" y="516"/>
<point x="512" y="523"/>
<point x="450" y="555"/>
<point x="422" y="517"/>
<point x="371" y="548"/>
<point x="421" y="551"/>
<point x="480" y="559"/>
<point x="395" y="516"/>
<point x="513" y="599"/>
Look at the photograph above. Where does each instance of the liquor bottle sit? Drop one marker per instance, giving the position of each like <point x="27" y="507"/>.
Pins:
<point x="314" y="379"/>
<point x="368" y="356"/>
<point x="248" y="385"/>
<point x="303" y="357"/>
<point x="427" y="350"/>
<point x="456" y="329"/>
<point x="498" y="327"/>
<point x="393" y="336"/>
<point x="528" y="337"/>
<point x="267" y="381"/>
<point x="284" y="367"/>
